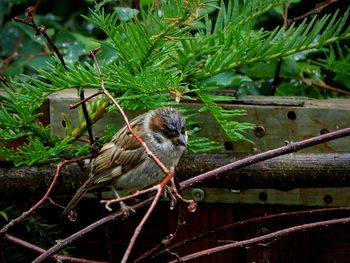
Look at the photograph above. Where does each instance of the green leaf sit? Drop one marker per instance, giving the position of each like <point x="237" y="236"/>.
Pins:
<point x="4" y="215"/>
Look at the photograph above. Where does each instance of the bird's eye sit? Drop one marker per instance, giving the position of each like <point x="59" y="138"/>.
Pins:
<point x="183" y="130"/>
<point x="170" y="132"/>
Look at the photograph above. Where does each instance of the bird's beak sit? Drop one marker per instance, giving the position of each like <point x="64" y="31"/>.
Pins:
<point x="181" y="140"/>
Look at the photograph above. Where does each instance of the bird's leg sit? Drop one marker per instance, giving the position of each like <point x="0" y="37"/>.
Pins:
<point x="125" y="209"/>
<point x="169" y="192"/>
<point x="175" y="192"/>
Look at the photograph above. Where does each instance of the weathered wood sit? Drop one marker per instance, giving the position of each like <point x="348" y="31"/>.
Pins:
<point x="297" y="197"/>
<point x="279" y="120"/>
<point x="283" y="173"/>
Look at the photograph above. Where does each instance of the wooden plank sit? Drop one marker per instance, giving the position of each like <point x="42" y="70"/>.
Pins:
<point x="283" y="173"/>
<point x="279" y="120"/>
<point x="302" y="196"/>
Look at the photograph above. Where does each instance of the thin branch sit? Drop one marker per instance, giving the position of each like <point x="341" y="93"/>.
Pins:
<point x="147" y="215"/>
<point x="6" y="62"/>
<point x="322" y="85"/>
<point x="285" y="15"/>
<point x="32" y="55"/>
<point x="130" y="196"/>
<point x="76" y="105"/>
<point x="41" y="30"/>
<point x="277" y="80"/>
<point x="141" y="224"/>
<point x="263" y="238"/>
<point x="166" y="241"/>
<point x="318" y="9"/>
<point x="43" y="199"/>
<point x="95" y="116"/>
<point x="292" y="147"/>
<point x="246" y="222"/>
<point x="37" y="249"/>
<point x="64" y="242"/>
<point x="87" y="118"/>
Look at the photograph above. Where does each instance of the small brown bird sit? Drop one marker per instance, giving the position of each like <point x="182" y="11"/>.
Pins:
<point x="123" y="163"/>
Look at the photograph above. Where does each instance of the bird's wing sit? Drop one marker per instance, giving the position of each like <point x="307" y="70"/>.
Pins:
<point x="120" y="155"/>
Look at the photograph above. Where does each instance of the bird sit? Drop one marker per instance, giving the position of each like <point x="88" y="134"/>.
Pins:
<point x="123" y="163"/>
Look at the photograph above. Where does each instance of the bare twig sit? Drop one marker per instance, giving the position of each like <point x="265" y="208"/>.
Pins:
<point x="76" y="105"/>
<point x="43" y="199"/>
<point x="318" y="9"/>
<point x="32" y="55"/>
<point x="285" y="15"/>
<point x="141" y="224"/>
<point x="37" y="249"/>
<point x="40" y="30"/>
<point x="322" y="85"/>
<point x="148" y="213"/>
<point x="276" y="79"/>
<point x="166" y="241"/>
<point x="64" y="242"/>
<point x="87" y="118"/>
<point x="130" y="196"/>
<point x="263" y="238"/>
<point x="292" y="147"/>
<point x="78" y="131"/>
<point x="6" y="62"/>
<point x="246" y="222"/>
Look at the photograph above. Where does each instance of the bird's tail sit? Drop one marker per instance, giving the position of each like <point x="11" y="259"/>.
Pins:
<point x="78" y="195"/>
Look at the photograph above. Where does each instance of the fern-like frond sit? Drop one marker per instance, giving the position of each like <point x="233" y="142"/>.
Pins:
<point x="225" y="117"/>
<point x="337" y="62"/>
<point x="35" y="152"/>
<point x="241" y="13"/>
<point x="231" y="46"/>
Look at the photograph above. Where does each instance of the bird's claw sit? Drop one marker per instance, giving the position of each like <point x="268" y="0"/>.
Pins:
<point x="126" y="210"/>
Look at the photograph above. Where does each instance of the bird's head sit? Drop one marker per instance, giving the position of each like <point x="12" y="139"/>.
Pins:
<point x="167" y="123"/>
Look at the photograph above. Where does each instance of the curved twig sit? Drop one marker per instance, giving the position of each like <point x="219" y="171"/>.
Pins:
<point x="292" y="147"/>
<point x="64" y="242"/>
<point x="18" y="219"/>
<point x="263" y="238"/>
<point x="32" y="247"/>
<point x="246" y="222"/>
<point x="148" y="213"/>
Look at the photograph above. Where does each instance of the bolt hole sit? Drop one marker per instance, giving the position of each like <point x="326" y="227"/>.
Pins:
<point x="64" y="123"/>
<point x="259" y="131"/>
<point x="228" y="146"/>
<point x="263" y="196"/>
<point x="291" y="115"/>
<point x="324" y="131"/>
<point x="328" y="198"/>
